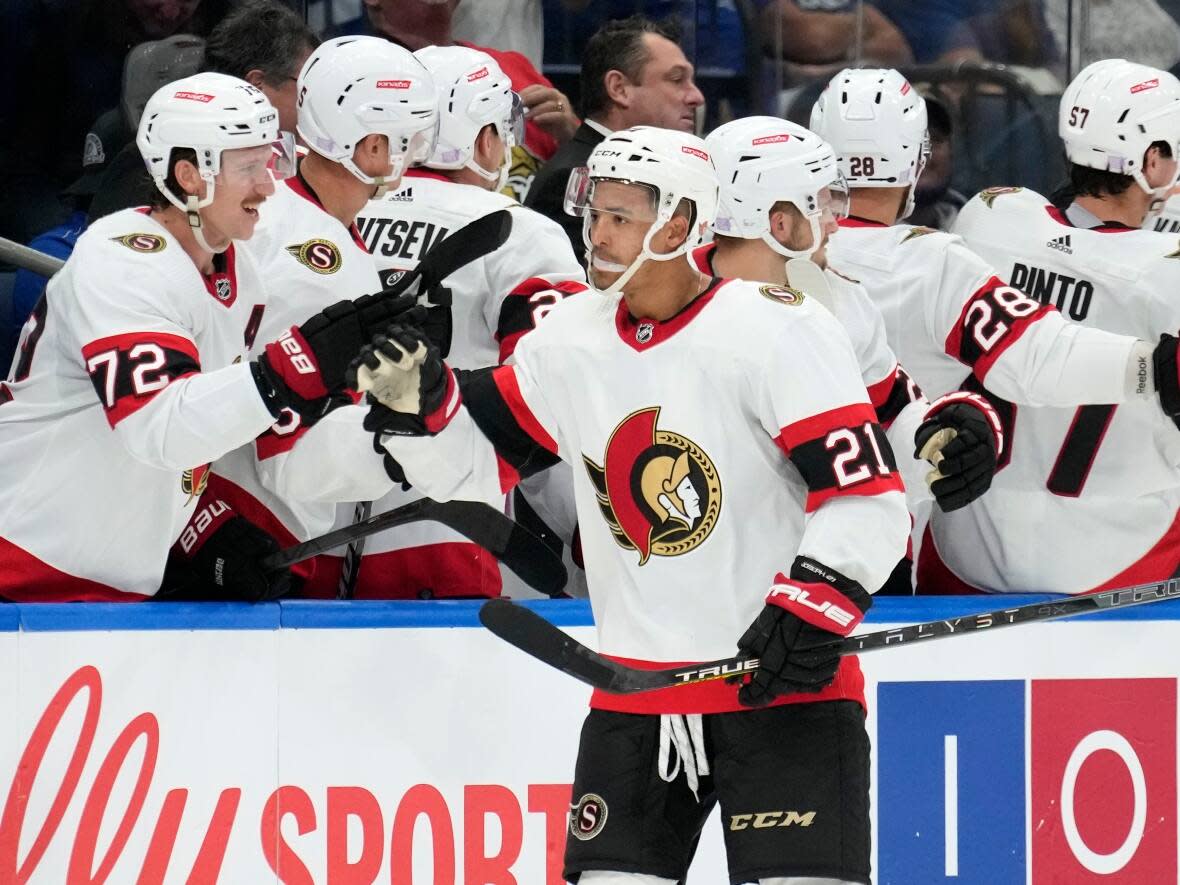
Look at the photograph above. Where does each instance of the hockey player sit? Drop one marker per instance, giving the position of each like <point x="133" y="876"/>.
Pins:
<point x="134" y="369"/>
<point x="780" y="200"/>
<point x="1108" y="472"/>
<point x="494" y="301"/>
<point x="367" y="111"/>
<point x="693" y="409"/>
<point x="950" y="318"/>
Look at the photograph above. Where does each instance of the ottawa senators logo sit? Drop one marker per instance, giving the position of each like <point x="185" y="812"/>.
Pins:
<point x="322" y="256"/>
<point x="193" y="482"/>
<point x="782" y="294"/>
<point x="588" y="817"/>
<point x="658" y="491"/>
<point x="141" y="242"/>
<point x="989" y="196"/>
<point x="915" y="232"/>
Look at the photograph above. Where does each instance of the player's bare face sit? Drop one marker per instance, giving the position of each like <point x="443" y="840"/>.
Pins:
<point x="242" y="185"/>
<point x="620" y="216"/>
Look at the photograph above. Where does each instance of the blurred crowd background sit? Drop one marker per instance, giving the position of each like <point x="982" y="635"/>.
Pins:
<point x="78" y="72"/>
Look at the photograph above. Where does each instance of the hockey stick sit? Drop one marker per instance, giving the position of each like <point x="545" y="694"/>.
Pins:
<point x="473" y="241"/>
<point x="519" y="549"/>
<point x="29" y="259"/>
<point x="534" y="635"/>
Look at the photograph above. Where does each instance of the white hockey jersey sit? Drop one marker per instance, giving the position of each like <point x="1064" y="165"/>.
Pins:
<point x="131" y="378"/>
<point x="289" y="480"/>
<point x="1089" y="496"/>
<point x="899" y="403"/>
<point x="496" y="300"/>
<point x="949" y="319"/>
<point x="708" y="450"/>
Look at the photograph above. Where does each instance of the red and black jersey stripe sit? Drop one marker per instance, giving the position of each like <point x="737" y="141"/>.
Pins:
<point x="129" y="370"/>
<point x="992" y="320"/>
<point x="842" y="451"/>
<point x="525" y="305"/>
<point x="523" y="447"/>
<point x="892" y="394"/>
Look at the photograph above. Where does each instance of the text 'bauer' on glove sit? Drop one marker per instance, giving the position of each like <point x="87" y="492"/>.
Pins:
<point x="961" y="435"/>
<point x="219" y="556"/>
<point x="411" y="391"/>
<point x="815" y="605"/>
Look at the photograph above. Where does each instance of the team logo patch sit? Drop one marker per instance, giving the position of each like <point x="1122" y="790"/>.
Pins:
<point x="322" y="256"/>
<point x="658" y="491"/>
<point x="588" y="817"/>
<point x="193" y="482"/>
<point x="782" y="294"/>
<point x="644" y="332"/>
<point x="989" y="196"/>
<point x="141" y="242"/>
<point x="392" y="278"/>
<point x="916" y="232"/>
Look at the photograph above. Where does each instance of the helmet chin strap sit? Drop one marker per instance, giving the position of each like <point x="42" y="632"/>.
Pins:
<point x="645" y="254"/>
<point x="193" y="214"/>
<point x="500" y="176"/>
<point x="788" y="253"/>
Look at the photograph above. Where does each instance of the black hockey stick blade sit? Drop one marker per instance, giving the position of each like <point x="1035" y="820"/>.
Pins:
<point x="533" y="561"/>
<point x="469" y="243"/>
<point x="534" y="635"/>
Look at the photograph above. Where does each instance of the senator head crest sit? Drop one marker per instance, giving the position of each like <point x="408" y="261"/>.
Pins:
<point x="658" y="491"/>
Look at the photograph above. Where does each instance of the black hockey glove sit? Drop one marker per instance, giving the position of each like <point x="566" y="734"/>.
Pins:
<point x="962" y="437"/>
<point x="218" y="558"/>
<point x="411" y="391"/>
<point x="814" y="606"/>
<point x="1167" y="376"/>
<point x="304" y="369"/>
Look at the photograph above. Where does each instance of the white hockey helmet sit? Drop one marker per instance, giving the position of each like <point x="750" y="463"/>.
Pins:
<point x="473" y="93"/>
<point x="351" y="87"/>
<point x="209" y="114"/>
<point x="876" y="122"/>
<point x="761" y="161"/>
<point x="673" y="165"/>
<point x="1113" y="111"/>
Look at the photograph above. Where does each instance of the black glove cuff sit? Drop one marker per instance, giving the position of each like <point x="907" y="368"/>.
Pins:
<point x="813" y="572"/>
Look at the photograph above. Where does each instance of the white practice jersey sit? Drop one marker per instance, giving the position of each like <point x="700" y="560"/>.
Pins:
<point x="131" y="378"/>
<point x="1087" y="497"/>
<point x="290" y="479"/>
<point x="707" y="452"/>
<point x="953" y="322"/>
<point x="899" y="404"/>
<point x="495" y="300"/>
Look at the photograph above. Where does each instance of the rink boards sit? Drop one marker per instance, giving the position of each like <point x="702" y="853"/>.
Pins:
<point x="399" y="742"/>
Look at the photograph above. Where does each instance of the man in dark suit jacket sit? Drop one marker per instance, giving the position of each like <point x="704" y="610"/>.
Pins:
<point x="633" y="74"/>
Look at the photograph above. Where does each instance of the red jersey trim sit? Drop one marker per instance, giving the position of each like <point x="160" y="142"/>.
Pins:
<point x="509" y="387"/>
<point x="1108" y="227"/>
<point x="702" y="258"/>
<point x="1016" y="329"/>
<point x="419" y="172"/>
<point x="719" y="696"/>
<point x="25" y="578"/>
<point x="856" y="221"/>
<point x="820" y="425"/>
<point x="878" y="485"/>
<point x="228" y="275"/>
<point x="117" y="376"/>
<point x="299" y="185"/>
<point x="654" y="331"/>
<point x="518" y="311"/>
<point x="879" y="392"/>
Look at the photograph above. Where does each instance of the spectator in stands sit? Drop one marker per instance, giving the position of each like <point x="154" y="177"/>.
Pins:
<point x="1142" y="31"/>
<point x="73" y="52"/>
<point x="1008" y="31"/>
<point x="507" y="25"/>
<point x="550" y="119"/>
<point x="820" y="36"/>
<point x="272" y="64"/>
<point x="633" y="74"/>
<point x="936" y="203"/>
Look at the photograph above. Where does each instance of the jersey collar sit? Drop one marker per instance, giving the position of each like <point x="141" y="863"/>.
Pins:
<point x="857" y="221"/>
<point x="1102" y="227"/>
<point x="300" y="186"/>
<point x="702" y="258"/>
<point x="644" y="334"/>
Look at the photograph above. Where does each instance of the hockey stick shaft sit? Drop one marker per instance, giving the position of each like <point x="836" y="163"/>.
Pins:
<point x="469" y="243"/>
<point x="519" y="549"/>
<point x="29" y="259"/>
<point x="534" y="635"/>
